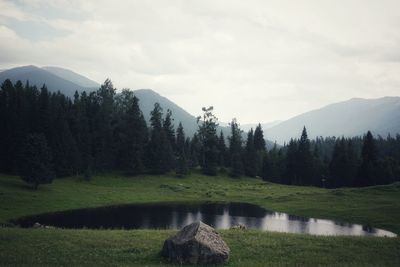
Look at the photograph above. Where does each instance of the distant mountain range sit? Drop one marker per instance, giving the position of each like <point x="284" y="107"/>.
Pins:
<point x="349" y="118"/>
<point x="246" y="127"/>
<point x="147" y="99"/>
<point x="56" y="79"/>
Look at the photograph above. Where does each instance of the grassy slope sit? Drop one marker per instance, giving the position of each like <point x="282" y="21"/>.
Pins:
<point x="141" y="248"/>
<point x="377" y="206"/>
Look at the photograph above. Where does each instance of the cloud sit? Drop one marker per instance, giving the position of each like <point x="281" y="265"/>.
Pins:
<point x="254" y="60"/>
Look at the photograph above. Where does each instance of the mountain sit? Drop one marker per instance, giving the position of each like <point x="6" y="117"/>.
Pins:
<point x="265" y="126"/>
<point x="72" y="77"/>
<point x="349" y="118"/>
<point x="64" y="81"/>
<point x="147" y="99"/>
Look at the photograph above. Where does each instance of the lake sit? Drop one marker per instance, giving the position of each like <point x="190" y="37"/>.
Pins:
<point x="177" y="215"/>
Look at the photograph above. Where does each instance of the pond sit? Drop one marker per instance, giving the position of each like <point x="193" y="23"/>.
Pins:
<point x="175" y="216"/>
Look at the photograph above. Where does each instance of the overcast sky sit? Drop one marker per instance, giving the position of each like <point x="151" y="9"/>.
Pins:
<point x="257" y="61"/>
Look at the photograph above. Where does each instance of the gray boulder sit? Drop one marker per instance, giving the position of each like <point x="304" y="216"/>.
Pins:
<point x="196" y="243"/>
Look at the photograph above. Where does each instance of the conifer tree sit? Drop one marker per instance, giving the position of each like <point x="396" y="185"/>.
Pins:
<point x="160" y="154"/>
<point x="367" y="172"/>
<point x="290" y="174"/>
<point x="170" y="144"/>
<point x="338" y="164"/>
<point x="7" y="128"/>
<point x="182" y="164"/>
<point x="304" y="160"/>
<point x="222" y="151"/>
<point x="195" y="151"/>
<point x="35" y="162"/>
<point x="259" y="141"/>
<point x="235" y="149"/>
<point x="168" y="128"/>
<point x="207" y="134"/>
<point x="131" y="134"/>
<point x="251" y="159"/>
<point x="260" y="148"/>
<point x="103" y="129"/>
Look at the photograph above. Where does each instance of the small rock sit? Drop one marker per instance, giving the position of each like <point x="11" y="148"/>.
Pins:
<point x="239" y="226"/>
<point x="196" y="243"/>
<point x="37" y="225"/>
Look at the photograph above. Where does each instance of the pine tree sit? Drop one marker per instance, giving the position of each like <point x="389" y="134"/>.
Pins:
<point x="103" y="129"/>
<point x="252" y="165"/>
<point x="209" y="141"/>
<point x="168" y="128"/>
<point x="195" y="151"/>
<point x="7" y="156"/>
<point x="182" y="165"/>
<point x="160" y="154"/>
<point x="35" y="162"/>
<point x="61" y="140"/>
<point x="304" y="160"/>
<point x="338" y="164"/>
<point x="290" y="174"/>
<point x="367" y="172"/>
<point x="235" y="149"/>
<point x="260" y="148"/>
<point x="130" y="134"/>
<point x="80" y="129"/>
<point x="259" y="141"/>
<point x="273" y="165"/>
<point x="222" y="152"/>
<point x="170" y="146"/>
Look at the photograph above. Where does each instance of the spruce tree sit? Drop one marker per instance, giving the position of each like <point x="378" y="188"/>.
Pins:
<point x="252" y="165"/>
<point x="7" y="151"/>
<point x="259" y="141"/>
<point x="131" y="134"/>
<point x="290" y="175"/>
<point x="367" y="172"/>
<point x="338" y="164"/>
<point x="168" y="128"/>
<point x="103" y="127"/>
<point x="170" y="144"/>
<point x="182" y="167"/>
<point x="260" y="148"/>
<point x="304" y="160"/>
<point x="195" y="151"/>
<point x="35" y="165"/>
<point x="207" y="134"/>
<point x="236" y="150"/>
<point x="222" y="152"/>
<point x="160" y="153"/>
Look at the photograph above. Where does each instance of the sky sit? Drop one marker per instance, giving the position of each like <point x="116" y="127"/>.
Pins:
<point x="257" y="61"/>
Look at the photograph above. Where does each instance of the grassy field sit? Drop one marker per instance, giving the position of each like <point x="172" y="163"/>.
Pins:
<point x="376" y="206"/>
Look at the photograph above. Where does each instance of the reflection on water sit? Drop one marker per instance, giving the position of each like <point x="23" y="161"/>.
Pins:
<point x="175" y="216"/>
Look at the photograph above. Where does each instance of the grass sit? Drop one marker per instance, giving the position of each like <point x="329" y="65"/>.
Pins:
<point x="376" y="206"/>
<point x="141" y="248"/>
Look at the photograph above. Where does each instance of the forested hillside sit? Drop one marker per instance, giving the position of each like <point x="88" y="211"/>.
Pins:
<point x="104" y="131"/>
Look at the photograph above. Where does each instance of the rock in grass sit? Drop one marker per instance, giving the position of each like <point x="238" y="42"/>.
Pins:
<point x="196" y="243"/>
<point x="239" y="227"/>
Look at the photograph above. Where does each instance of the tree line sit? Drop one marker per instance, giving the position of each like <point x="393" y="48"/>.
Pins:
<point x="46" y="134"/>
<point x="335" y="162"/>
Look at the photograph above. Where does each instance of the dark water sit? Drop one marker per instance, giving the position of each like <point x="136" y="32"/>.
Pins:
<point x="175" y="216"/>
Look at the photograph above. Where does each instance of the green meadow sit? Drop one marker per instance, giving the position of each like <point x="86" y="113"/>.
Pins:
<point x="377" y="206"/>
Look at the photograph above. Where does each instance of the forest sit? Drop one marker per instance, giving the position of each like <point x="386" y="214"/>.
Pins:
<point x="46" y="135"/>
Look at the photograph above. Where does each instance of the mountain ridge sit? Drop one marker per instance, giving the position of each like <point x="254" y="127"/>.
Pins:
<point x="39" y="76"/>
<point x="353" y="117"/>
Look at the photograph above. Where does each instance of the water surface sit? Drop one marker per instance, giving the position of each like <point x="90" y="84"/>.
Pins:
<point x="176" y="216"/>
